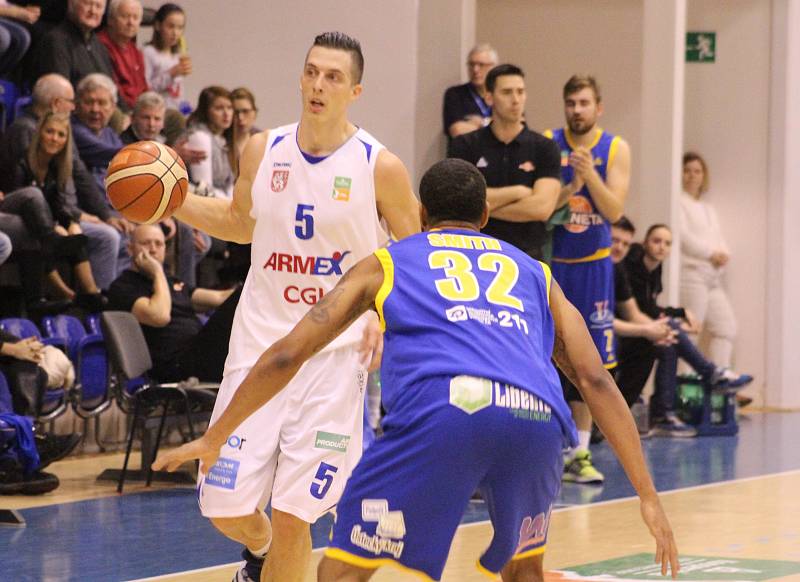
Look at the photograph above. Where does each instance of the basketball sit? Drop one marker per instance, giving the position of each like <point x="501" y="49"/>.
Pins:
<point x="146" y="182"/>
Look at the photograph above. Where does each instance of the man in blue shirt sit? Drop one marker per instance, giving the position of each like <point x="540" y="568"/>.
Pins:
<point x="472" y="398"/>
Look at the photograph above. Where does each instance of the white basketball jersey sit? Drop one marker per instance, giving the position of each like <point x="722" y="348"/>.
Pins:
<point x="315" y="219"/>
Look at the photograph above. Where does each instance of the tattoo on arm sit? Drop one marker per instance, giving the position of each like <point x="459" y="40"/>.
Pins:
<point x="321" y="312"/>
<point x="562" y="359"/>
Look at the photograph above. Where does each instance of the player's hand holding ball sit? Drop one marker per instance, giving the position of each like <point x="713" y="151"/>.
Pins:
<point x="147" y="182"/>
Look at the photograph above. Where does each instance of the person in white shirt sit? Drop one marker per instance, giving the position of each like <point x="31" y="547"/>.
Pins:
<point x="309" y="197"/>
<point x="704" y="255"/>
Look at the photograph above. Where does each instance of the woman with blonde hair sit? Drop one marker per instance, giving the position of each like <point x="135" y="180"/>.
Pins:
<point x="704" y="255"/>
<point x="47" y="165"/>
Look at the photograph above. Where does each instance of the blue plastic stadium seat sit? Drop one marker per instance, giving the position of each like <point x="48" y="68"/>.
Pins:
<point x="68" y="329"/>
<point x="93" y="323"/>
<point x="24" y="328"/>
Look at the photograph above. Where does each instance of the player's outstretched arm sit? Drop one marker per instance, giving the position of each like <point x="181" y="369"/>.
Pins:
<point x="394" y="197"/>
<point x="351" y="297"/>
<point x="576" y="355"/>
<point x="229" y="219"/>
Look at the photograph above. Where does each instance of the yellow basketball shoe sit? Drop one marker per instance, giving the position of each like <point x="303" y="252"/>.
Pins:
<point x="579" y="469"/>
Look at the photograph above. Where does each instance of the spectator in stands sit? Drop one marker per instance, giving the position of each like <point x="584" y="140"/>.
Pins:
<point x="147" y="123"/>
<point x="704" y="256"/>
<point x="119" y="38"/>
<point x="47" y="165"/>
<point x="97" y="142"/>
<point x="210" y="130"/>
<point x="147" y="119"/>
<point x="643" y="268"/>
<point x="165" y="59"/>
<point x="18" y="209"/>
<point x="72" y="48"/>
<point x="244" y="118"/>
<point x="14" y="37"/>
<point x="98" y="221"/>
<point x="180" y="346"/>
<point x="522" y="168"/>
<point x="465" y="107"/>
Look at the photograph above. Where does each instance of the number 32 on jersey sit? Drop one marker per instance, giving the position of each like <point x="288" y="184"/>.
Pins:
<point x="461" y="284"/>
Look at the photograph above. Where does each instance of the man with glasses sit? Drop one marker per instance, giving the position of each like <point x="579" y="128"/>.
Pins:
<point x="465" y="107"/>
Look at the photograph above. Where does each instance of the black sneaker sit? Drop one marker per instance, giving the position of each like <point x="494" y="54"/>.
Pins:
<point x="10" y="477"/>
<point x="250" y="571"/>
<point x="672" y="426"/>
<point x="39" y="483"/>
<point x="14" y="482"/>
<point x="53" y="447"/>
<point x="729" y="380"/>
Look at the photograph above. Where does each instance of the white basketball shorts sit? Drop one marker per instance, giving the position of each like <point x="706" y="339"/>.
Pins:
<point x="299" y="448"/>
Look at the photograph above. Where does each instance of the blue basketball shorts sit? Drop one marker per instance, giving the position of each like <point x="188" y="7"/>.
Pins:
<point x="589" y="287"/>
<point x="443" y="440"/>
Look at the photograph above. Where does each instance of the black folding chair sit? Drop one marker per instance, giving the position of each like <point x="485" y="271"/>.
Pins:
<point x="129" y="358"/>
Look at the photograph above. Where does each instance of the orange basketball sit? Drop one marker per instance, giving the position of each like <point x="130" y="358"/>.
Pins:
<point x="146" y="181"/>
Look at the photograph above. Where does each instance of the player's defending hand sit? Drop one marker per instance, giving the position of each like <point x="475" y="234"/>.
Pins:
<point x="197" y="449"/>
<point x="666" y="549"/>
<point x="370" y="349"/>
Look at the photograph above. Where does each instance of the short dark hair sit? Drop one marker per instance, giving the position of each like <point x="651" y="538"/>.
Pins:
<point x="624" y="224"/>
<point x="499" y="71"/>
<point x="453" y="190"/>
<point x="343" y="42"/>
<point x="579" y="82"/>
<point x="654" y="227"/>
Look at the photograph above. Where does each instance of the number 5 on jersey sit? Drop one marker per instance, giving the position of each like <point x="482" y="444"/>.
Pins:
<point x="304" y="221"/>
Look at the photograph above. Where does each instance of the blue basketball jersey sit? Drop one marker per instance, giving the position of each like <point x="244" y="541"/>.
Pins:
<point x="587" y="234"/>
<point x="457" y="302"/>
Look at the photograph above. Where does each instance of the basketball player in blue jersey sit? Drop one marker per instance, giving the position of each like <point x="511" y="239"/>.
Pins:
<point x="472" y="397"/>
<point x="310" y="197"/>
<point x="595" y="171"/>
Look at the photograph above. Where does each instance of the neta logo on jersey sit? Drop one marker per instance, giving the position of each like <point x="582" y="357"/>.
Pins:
<point x="286" y="263"/>
<point x="279" y="180"/>
<point x="581" y="216"/>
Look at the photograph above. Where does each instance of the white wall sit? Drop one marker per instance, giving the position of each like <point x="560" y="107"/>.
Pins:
<point x="414" y="49"/>
<point x="262" y="44"/>
<point x="553" y="39"/>
<point x="727" y="120"/>
<point x="783" y="266"/>
<point x="726" y="112"/>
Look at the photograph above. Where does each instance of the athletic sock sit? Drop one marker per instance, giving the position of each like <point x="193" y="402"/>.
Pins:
<point x="584" y="436"/>
<point x="261" y="552"/>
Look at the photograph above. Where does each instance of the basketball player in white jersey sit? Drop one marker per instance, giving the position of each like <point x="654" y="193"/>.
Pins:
<point x="310" y="197"/>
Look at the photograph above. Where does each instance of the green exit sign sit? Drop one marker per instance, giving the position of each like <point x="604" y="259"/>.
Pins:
<point x="701" y="47"/>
